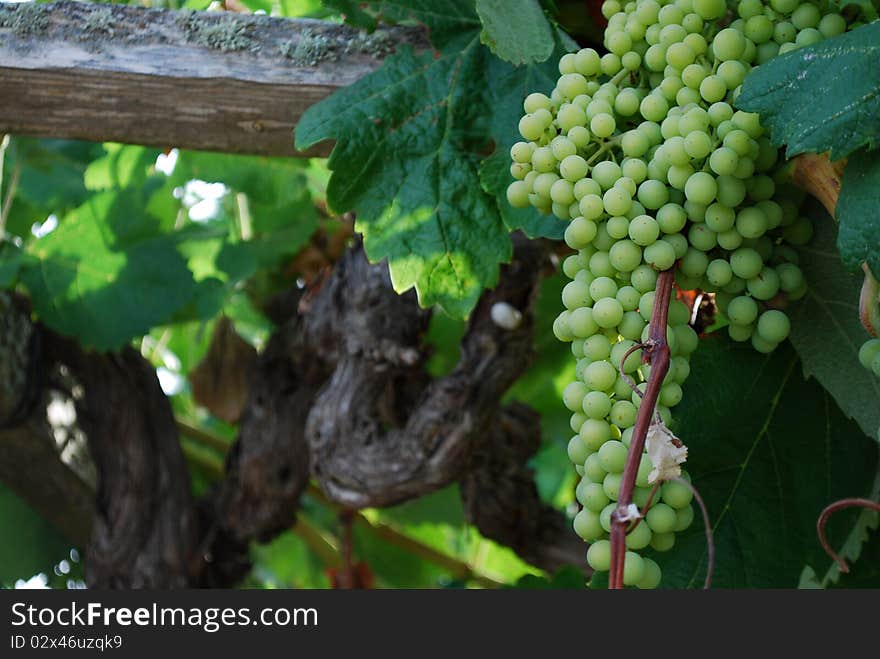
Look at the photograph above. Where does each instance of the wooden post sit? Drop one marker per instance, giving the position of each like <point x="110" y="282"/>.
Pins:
<point x="217" y="81"/>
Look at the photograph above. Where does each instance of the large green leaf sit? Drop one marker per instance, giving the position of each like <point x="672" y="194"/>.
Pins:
<point x="859" y="238"/>
<point x="821" y="97"/>
<point x="826" y="330"/>
<point x="104" y="275"/>
<point x="522" y="36"/>
<point x="410" y="139"/>
<point x="406" y="159"/>
<point x="37" y="546"/>
<point x="768" y="451"/>
<point x="121" y="167"/>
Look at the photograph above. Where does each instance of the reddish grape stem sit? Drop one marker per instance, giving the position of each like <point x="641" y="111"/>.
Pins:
<point x="710" y="541"/>
<point x="655" y="353"/>
<point x="828" y="512"/>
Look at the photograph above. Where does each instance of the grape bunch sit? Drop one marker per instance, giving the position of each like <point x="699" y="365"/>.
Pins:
<point x="642" y="151"/>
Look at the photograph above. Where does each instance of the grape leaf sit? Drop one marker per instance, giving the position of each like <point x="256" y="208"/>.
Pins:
<point x="826" y="331"/>
<point x="821" y="97"/>
<point x="405" y="159"/>
<point x="766" y="466"/>
<point x="522" y="36"/>
<point x="11" y="260"/>
<point x="121" y="167"/>
<point x="37" y="547"/>
<point x="859" y="237"/>
<point x="104" y="276"/>
<point x="865" y="573"/>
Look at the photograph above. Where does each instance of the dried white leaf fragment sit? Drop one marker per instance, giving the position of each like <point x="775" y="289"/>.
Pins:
<point x="666" y="451"/>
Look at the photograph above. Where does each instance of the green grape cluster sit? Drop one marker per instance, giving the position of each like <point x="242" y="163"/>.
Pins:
<point x="642" y="151"/>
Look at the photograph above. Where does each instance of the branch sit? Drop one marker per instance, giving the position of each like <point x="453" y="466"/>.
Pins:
<point x="403" y="435"/>
<point x="501" y="499"/>
<point x="217" y="81"/>
<point x="655" y="353"/>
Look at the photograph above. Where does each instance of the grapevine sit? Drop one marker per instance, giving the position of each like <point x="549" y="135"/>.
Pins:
<point x="643" y="152"/>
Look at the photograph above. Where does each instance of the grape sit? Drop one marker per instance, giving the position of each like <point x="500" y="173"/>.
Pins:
<point x="611" y="485"/>
<point x="676" y="495"/>
<point x="644" y="230"/>
<point x="577" y="450"/>
<point x="745" y="262"/>
<point x="661" y="518"/>
<point x="662" y="541"/>
<point x="597" y="405"/>
<point x="599" y="555"/>
<point x="742" y="310"/>
<point x="639" y="537"/>
<point x="773" y="326"/>
<point x="867" y="353"/>
<point x="612" y="456"/>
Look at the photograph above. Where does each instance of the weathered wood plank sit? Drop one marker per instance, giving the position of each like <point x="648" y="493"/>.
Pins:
<point x="199" y="80"/>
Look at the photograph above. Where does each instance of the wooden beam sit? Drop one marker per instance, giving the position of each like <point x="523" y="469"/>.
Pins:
<point x="216" y="81"/>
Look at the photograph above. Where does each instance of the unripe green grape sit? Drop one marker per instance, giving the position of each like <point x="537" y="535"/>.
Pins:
<point x="740" y="333"/>
<point x="600" y="264"/>
<point x="644" y="279"/>
<point x="561" y="330"/>
<point x="694" y="263"/>
<point x="653" y="107"/>
<point x="607" y="313"/>
<point x="625" y="255"/>
<point x="581" y="323"/>
<point x="597" y="404"/>
<point x="576" y="421"/>
<point x="587" y="62"/>
<point x="653" y="194"/>
<point x="518" y="194"/>
<point x="719" y="272"/>
<point x="799" y="233"/>
<point x="562" y="192"/>
<point x="593" y="497"/>
<point x="605" y="516"/>
<point x="766" y="52"/>
<point x="573" y="395"/>
<point x="671" y="218"/>
<point x="790" y="277"/>
<point x="635" y="169"/>
<point x="593" y="471"/>
<point x="806" y="16"/>
<point x="586" y="525"/>
<point x="560" y="210"/>
<point x="661" y="518"/>
<point x="594" y="433"/>
<point x="701" y="237"/>
<point x="612" y="456"/>
<point x="576" y="294"/>
<point x="606" y="174"/>
<point x="602" y="287"/>
<point x="543" y="160"/>
<point x="617" y="227"/>
<point x="765" y="285"/>
<point x="580" y="233"/>
<point x="762" y="345"/>
<point x="591" y="207"/>
<point x="536" y="101"/>
<point x="628" y="297"/>
<point x="868" y="352"/>
<point x="573" y="168"/>
<point x="736" y="286"/>
<point x="611" y="485"/>
<point x="676" y="495"/>
<point x="731" y="191"/>
<point x="599" y="556"/>
<point x="571" y="85"/>
<point x="742" y="310"/>
<point x="678" y="176"/>
<point x="522" y="152"/>
<point x="639" y="537"/>
<point x="633" y="565"/>
<point x="531" y="127"/>
<point x="577" y="450"/>
<point x="587" y="186"/>
<point x="832" y="25"/>
<point x="644" y="230"/>
<point x="682" y="368"/>
<point x="759" y="29"/>
<point x="746" y="262"/>
<point x="651" y="575"/>
<point x="698" y="145"/>
<point x="562" y="147"/>
<point x="710" y="9"/>
<point x="686" y="339"/>
<point x="599" y="376"/>
<point x="713" y="88"/>
<point x="631" y="326"/>
<point x="774" y="326"/>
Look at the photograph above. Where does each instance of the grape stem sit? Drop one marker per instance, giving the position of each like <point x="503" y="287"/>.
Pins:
<point x="655" y="353"/>
<point x="827" y="513"/>
<point x="710" y="541"/>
